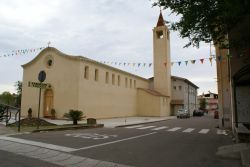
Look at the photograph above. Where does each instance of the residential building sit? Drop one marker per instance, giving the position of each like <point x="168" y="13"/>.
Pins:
<point x="211" y="100"/>
<point x="184" y="95"/>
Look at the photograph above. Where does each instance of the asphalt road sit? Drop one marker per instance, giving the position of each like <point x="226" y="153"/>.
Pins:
<point x="174" y="143"/>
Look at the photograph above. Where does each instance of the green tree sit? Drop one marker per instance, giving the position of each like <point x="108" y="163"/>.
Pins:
<point x="7" y="98"/>
<point x="225" y="22"/>
<point x="18" y="86"/>
<point x="203" y="104"/>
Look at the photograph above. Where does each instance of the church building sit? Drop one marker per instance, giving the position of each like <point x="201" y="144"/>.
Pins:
<point x="99" y="90"/>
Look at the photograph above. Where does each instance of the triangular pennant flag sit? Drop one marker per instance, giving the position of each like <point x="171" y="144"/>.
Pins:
<point x="139" y="64"/>
<point x="150" y="64"/>
<point x="179" y="63"/>
<point x="193" y="61"/>
<point x="202" y="61"/>
<point x="210" y="59"/>
<point x="186" y="62"/>
<point x="165" y="64"/>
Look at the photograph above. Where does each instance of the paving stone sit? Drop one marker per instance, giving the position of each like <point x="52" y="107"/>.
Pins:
<point x="38" y="152"/>
<point x="47" y="155"/>
<point x="60" y="157"/>
<point x="71" y="161"/>
<point x="87" y="163"/>
<point x="106" y="164"/>
<point x="245" y="158"/>
<point x="5" y="143"/>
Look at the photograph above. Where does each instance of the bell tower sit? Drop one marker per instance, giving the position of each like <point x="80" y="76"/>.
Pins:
<point x="162" y="66"/>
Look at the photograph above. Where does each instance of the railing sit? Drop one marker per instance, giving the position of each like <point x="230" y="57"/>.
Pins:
<point x="7" y="112"/>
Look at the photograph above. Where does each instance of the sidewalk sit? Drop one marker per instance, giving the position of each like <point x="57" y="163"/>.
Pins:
<point x="236" y="151"/>
<point x="4" y="130"/>
<point x="117" y="122"/>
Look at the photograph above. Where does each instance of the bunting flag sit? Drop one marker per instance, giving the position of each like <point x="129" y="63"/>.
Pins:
<point x="202" y="61"/>
<point x="22" y="52"/>
<point x="210" y="59"/>
<point x="193" y="61"/>
<point x="133" y="64"/>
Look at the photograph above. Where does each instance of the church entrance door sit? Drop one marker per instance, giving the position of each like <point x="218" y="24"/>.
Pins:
<point x="48" y="102"/>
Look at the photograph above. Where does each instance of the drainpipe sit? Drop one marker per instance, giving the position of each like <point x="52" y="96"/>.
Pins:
<point x="188" y="98"/>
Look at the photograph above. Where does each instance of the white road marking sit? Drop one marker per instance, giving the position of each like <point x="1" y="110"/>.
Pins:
<point x="221" y="132"/>
<point x="116" y="141"/>
<point x="188" y="130"/>
<point x="174" y="129"/>
<point x="146" y="127"/>
<point x="160" y="128"/>
<point x="93" y="136"/>
<point x="136" y="126"/>
<point x="204" y="131"/>
<point x="39" y="144"/>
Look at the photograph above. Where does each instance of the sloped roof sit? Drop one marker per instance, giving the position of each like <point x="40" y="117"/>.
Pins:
<point x="79" y="58"/>
<point x="161" y="21"/>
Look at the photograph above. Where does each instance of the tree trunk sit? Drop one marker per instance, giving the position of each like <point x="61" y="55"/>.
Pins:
<point x="75" y="122"/>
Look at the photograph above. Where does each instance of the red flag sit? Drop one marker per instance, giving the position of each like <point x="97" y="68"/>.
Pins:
<point x="202" y="60"/>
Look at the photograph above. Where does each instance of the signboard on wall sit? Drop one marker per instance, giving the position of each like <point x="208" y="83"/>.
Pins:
<point x="39" y="85"/>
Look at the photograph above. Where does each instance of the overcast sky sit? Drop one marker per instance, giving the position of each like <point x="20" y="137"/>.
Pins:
<point x="103" y="30"/>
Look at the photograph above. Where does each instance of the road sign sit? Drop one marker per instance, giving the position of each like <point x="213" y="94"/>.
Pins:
<point x="39" y="85"/>
<point x="42" y="76"/>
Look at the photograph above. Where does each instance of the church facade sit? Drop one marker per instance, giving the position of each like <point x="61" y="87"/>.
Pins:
<point x="99" y="90"/>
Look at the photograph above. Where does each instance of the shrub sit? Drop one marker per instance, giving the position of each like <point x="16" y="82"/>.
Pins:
<point x="29" y="113"/>
<point x="53" y="113"/>
<point x="74" y="115"/>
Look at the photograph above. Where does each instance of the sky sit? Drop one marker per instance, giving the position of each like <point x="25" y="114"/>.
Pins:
<point x="103" y="30"/>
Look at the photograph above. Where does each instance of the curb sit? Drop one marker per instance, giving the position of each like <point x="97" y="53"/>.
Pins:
<point x="245" y="158"/>
<point x="69" y="128"/>
<point x="120" y="126"/>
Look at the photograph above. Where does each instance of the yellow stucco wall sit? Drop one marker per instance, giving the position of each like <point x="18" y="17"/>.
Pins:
<point x="151" y="105"/>
<point x="63" y="76"/>
<point x="99" y="99"/>
<point x="71" y="90"/>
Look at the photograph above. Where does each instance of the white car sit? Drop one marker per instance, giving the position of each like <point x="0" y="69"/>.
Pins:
<point x="182" y="113"/>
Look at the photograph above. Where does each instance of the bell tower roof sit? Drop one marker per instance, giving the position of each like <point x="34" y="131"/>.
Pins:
<point x="161" y="21"/>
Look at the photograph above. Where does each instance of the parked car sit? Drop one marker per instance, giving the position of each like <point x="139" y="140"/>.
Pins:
<point x="198" y="113"/>
<point x="182" y="113"/>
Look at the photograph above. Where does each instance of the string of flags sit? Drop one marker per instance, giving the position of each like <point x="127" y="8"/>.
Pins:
<point x="22" y="52"/>
<point x="179" y="63"/>
<point x="133" y="64"/>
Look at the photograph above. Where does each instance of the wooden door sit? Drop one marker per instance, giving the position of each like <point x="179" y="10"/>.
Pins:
<point x="48" y="102"/>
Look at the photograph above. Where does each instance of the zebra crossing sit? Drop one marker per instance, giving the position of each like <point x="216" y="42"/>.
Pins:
<point x="169" y="129"/>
